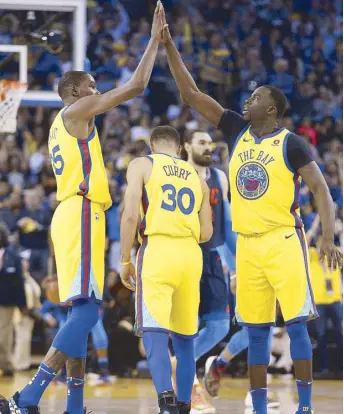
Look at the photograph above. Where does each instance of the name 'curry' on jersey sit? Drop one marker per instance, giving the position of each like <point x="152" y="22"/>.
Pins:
<point x="264" y="186"/>
<point x="78" y="164"/>
<point x="171" y="199"/>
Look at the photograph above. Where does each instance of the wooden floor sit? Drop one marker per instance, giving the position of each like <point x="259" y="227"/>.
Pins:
<point x="138" y="396"/>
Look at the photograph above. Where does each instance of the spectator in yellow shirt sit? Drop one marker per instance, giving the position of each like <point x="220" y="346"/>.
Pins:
<point x="327" y="289"/>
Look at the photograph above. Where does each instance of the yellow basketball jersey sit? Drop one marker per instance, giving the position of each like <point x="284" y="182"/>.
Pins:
<point x="326" y="285"/>
<point x="171" y="199"/>
<point x="78" y="164"/>
<point x="264" y="187"/>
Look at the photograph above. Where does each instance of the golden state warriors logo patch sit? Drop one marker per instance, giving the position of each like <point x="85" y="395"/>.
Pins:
<point x="252" y="180"/>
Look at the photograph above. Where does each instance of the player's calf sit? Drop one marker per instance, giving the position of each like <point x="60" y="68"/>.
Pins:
<point x="301" y="353"/>
<point x="258" y="360"/>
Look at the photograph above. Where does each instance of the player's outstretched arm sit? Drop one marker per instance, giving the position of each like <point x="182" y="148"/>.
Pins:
<point x="317" y="184"/>
<point x="205" y="214"/>
<point x="211" y="110"/>
<point x="137" y="170"/>
<point x="90" y="106"/>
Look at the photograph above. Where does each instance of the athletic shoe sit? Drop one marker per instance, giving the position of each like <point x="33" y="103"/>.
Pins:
<point x="100" y="381"/>
<point x="272" y="402"/>
<point x="212" y="377"/>
<point x="302" y="412"/>
<point x="168" y="403"/>
<point x="11" y="406"/>
<point x="66" y="412"/>
<point x="199" y="404"/>
<point x="184" y="408"/>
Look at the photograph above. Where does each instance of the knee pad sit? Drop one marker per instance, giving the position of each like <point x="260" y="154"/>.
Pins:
<point x="300" y="344"/>
<point x="258" y="347"/>
<point x="156" y="344"/>
<point x="99" y="336"/>
<point x="183" y="347"/>
<point x="72" y="337"/>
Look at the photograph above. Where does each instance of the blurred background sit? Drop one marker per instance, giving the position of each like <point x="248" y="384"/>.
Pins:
<point x="231" y="47"/>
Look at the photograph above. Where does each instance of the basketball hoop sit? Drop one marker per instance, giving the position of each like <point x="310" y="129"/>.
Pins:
<point x="11" y="93"/>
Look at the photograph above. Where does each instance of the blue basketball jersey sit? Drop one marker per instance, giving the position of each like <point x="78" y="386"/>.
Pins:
<point x="216" y="202"/>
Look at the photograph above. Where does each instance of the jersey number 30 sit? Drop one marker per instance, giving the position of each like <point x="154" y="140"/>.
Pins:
<point x="174" y="199"/>
<point x="57" y="160"/>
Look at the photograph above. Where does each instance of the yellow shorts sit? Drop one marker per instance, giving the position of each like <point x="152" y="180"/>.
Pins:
<point x="78" y="235"/>
<point x="168" y="285"/>
<point x="269" y="266"/>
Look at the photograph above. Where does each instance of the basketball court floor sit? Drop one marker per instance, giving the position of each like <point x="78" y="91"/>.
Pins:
<point x="129" y="396"/>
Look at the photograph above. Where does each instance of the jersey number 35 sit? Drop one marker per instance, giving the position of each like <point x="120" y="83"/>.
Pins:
<point x="57" y="160"/>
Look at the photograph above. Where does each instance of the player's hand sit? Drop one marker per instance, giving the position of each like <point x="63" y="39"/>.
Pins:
<point x="333" y="255"/>
<point x="128" y="276"/>
<point x="166" y="35"/>
<point x="233" y="283"/>
<point x="157" y="25"/>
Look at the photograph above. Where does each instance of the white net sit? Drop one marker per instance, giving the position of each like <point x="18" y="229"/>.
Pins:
<point x="11" y="93"/>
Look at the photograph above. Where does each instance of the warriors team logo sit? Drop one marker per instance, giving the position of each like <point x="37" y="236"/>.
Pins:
<point x="252" y="180"/>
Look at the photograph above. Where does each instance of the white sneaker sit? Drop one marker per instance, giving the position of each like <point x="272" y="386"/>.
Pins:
<point x="199" y="404"/>
<point x="212" y="378"/>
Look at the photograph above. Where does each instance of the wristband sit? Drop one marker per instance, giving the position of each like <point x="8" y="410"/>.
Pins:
<point x="125" y="263"/>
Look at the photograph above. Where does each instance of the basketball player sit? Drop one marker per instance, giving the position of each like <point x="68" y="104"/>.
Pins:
<point x="214" y="303"/>
<point x="265" y="171"/>
<point x="175" y="217"/>
<point x="78" y="225"/>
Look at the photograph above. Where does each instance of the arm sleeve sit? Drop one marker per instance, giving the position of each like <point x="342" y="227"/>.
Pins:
<point x="231" y="124"/>
<point x="298" y="152"/>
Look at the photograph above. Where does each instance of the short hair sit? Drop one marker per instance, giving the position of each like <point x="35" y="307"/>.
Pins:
<point x="279" y="98"/>
<point x="68" y="81"/>
<point x="165" y="133"/>
<point x="190" y="133"/>
<point x="187" y="138"/>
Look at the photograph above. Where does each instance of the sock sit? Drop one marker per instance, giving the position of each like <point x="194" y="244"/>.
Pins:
<point x="156" y="346"/>
<point x="186" y="367"/>
<point x="33" y="392"/>
<point x="259" y="400"/>
<point x="221" y="363"/>
<point x="304" y="389"/>
<point x="75" y="395"/>
<point x="103" y="364"/>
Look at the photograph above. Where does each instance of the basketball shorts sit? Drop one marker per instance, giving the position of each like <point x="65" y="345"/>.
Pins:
<point x="78" y="235"/>
<point x="167" y="287"/>
<point x="270" y="266"/>
<point x="214" y="288"/>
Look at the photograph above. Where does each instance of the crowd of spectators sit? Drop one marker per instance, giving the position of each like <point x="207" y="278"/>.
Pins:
<point x="231" y="47"/>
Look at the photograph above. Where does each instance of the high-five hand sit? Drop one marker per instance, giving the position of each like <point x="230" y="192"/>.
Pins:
<point x="166" y="35"/>
<point x="157" y="24"/>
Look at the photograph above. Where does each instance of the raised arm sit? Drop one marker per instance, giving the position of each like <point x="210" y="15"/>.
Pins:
<point x="205" y="214"/>
<point x="211" y="110"/>
<point x="317" y="184"/>
<point x="88" y="107"/>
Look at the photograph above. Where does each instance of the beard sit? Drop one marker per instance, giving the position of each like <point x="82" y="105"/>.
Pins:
<point x="204" y="160"/>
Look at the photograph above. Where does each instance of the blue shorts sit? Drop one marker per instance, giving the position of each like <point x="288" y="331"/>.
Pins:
<point x="214" y="288"/>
